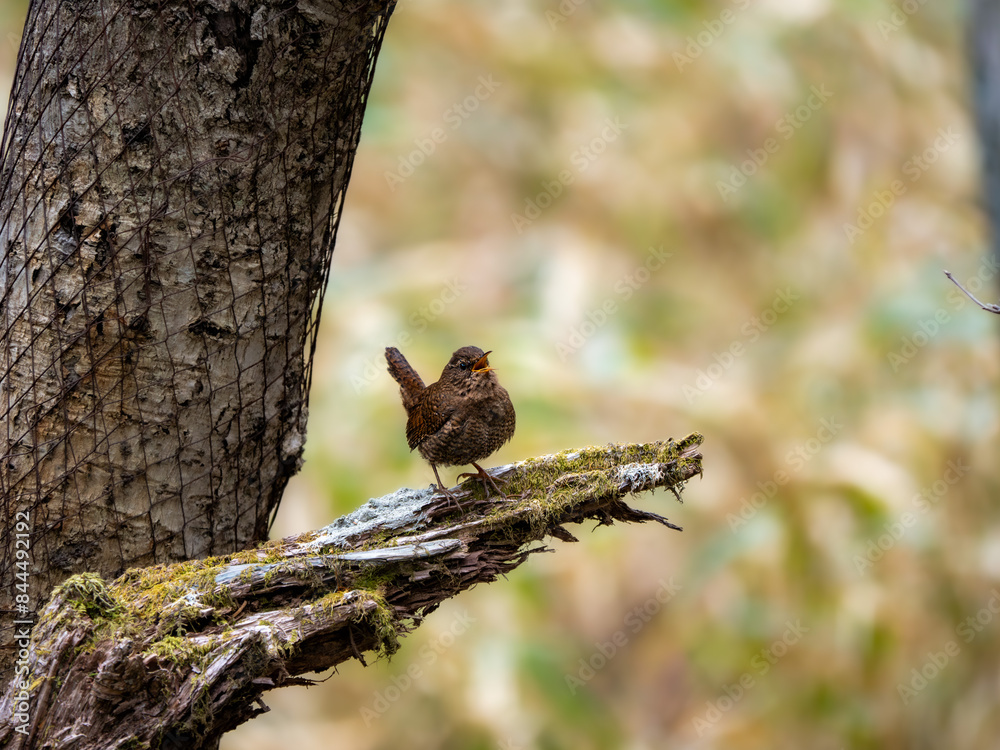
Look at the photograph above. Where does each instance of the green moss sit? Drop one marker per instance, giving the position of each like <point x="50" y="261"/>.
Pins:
<point x="144" y="597"/>
<point x="180" y="651"/>
<point x="157" y="594"/>
<point x="330" y="601"/>
<point x="88" y="594"/>
<point x="268" y="552"/>
<point x="374" y="578"/>
<point x="382" y="621"/>
<point x="573" y="477"/>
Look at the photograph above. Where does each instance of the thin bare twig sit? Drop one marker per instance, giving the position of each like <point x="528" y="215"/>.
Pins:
<point x="986" y="306"/>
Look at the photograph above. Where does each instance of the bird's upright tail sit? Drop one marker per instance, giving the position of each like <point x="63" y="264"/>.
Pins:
<point x="410" y="384"/>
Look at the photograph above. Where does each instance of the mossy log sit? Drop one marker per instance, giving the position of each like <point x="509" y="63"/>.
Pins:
<point x="176" y="655"/>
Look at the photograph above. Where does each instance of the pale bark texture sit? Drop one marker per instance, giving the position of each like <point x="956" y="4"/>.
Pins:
<point x="174" y="656"/>
<point x="173" y="175"/>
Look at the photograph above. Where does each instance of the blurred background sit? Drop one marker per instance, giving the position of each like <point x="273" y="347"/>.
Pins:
<point x="729" y="217"/>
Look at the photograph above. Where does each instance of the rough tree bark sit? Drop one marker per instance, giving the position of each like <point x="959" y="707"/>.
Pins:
<point x="173" y="176"/>
<point x="174" y="656"/>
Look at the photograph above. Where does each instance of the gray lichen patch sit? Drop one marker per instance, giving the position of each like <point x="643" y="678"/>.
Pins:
<point x="403" y="509"/>
<point x="639" y="477"/>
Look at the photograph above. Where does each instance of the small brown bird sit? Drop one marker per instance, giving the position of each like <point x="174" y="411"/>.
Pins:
<point x="462" y="418"/>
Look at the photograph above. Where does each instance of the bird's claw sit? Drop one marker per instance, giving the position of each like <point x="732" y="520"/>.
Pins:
<point x="449" y="494"/>
<point x="488" y="481"/>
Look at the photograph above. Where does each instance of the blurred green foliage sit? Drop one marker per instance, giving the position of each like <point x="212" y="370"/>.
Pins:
<point x="770" y="320"/>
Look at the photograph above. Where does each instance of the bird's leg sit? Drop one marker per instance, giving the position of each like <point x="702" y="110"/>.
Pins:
<point x="488" y="481"/>
<point x="444" y="489"/>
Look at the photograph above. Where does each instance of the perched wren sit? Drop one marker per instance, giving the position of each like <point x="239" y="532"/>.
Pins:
<point x="461" y="419"/>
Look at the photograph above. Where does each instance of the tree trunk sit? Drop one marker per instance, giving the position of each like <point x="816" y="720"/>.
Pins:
<point x="984" y="47"/>
<point x="173" y="178"/>
<point x="173" y="657"/>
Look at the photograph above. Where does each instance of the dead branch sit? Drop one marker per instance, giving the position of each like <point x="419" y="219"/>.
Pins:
<point x="176" y="655"/>
<point x="988" y="306"/>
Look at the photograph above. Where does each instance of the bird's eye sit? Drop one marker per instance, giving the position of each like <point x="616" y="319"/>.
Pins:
<point x="464" y="365"/>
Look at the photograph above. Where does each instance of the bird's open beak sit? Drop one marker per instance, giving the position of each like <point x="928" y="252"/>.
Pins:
<point x="481" y="364"/>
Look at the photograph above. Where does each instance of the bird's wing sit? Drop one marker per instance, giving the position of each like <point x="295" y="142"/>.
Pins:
<point x="427" y="417"/>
